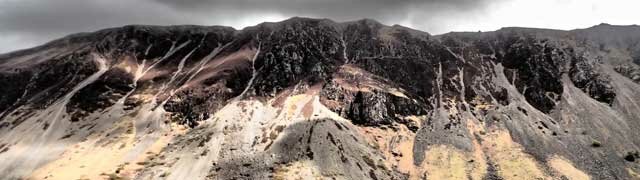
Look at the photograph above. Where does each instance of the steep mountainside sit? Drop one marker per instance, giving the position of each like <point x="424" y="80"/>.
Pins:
<point x="313" y="98"/>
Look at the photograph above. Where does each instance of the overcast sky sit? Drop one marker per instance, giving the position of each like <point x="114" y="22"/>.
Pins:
<point x="27" y="23"/>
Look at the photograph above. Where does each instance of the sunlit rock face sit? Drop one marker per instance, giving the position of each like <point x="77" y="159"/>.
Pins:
<point x="317" y="99"/>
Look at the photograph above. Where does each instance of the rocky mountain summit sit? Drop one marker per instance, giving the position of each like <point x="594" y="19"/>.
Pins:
<point x="318" y="99"/>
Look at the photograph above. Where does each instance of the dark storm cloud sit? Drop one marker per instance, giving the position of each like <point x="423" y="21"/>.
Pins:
<point x="72" y="15"/>
<point x="382" y="10"/>
<point x="26" y="23"/>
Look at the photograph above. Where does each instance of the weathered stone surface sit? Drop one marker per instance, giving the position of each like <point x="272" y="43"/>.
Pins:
<point x="314" y="98"/>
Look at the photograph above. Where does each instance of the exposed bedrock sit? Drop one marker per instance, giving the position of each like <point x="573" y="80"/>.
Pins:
<point x="314" y="98"/>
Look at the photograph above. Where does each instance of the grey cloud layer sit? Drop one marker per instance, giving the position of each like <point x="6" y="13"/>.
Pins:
<point x="26" y="23"/>
<point x="389" y="11"/>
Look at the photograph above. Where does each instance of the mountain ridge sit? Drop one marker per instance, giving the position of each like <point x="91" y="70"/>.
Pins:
<point x="293" y="19"/>
<point x="314" y="98"/>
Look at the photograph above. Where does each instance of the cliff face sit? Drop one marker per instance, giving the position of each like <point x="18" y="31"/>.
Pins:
<point x="314" y="98"/>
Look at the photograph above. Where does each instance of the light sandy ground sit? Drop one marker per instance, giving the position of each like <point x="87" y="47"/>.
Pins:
<point x="298" y="170"/>
<point x="444" y="162"/>
<point x="447" y="162"/>
<point x="633" y="173"/>
<point x="565" y="168"/>
<point x="512" y="162"/>
<point x="105" y="153"/>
